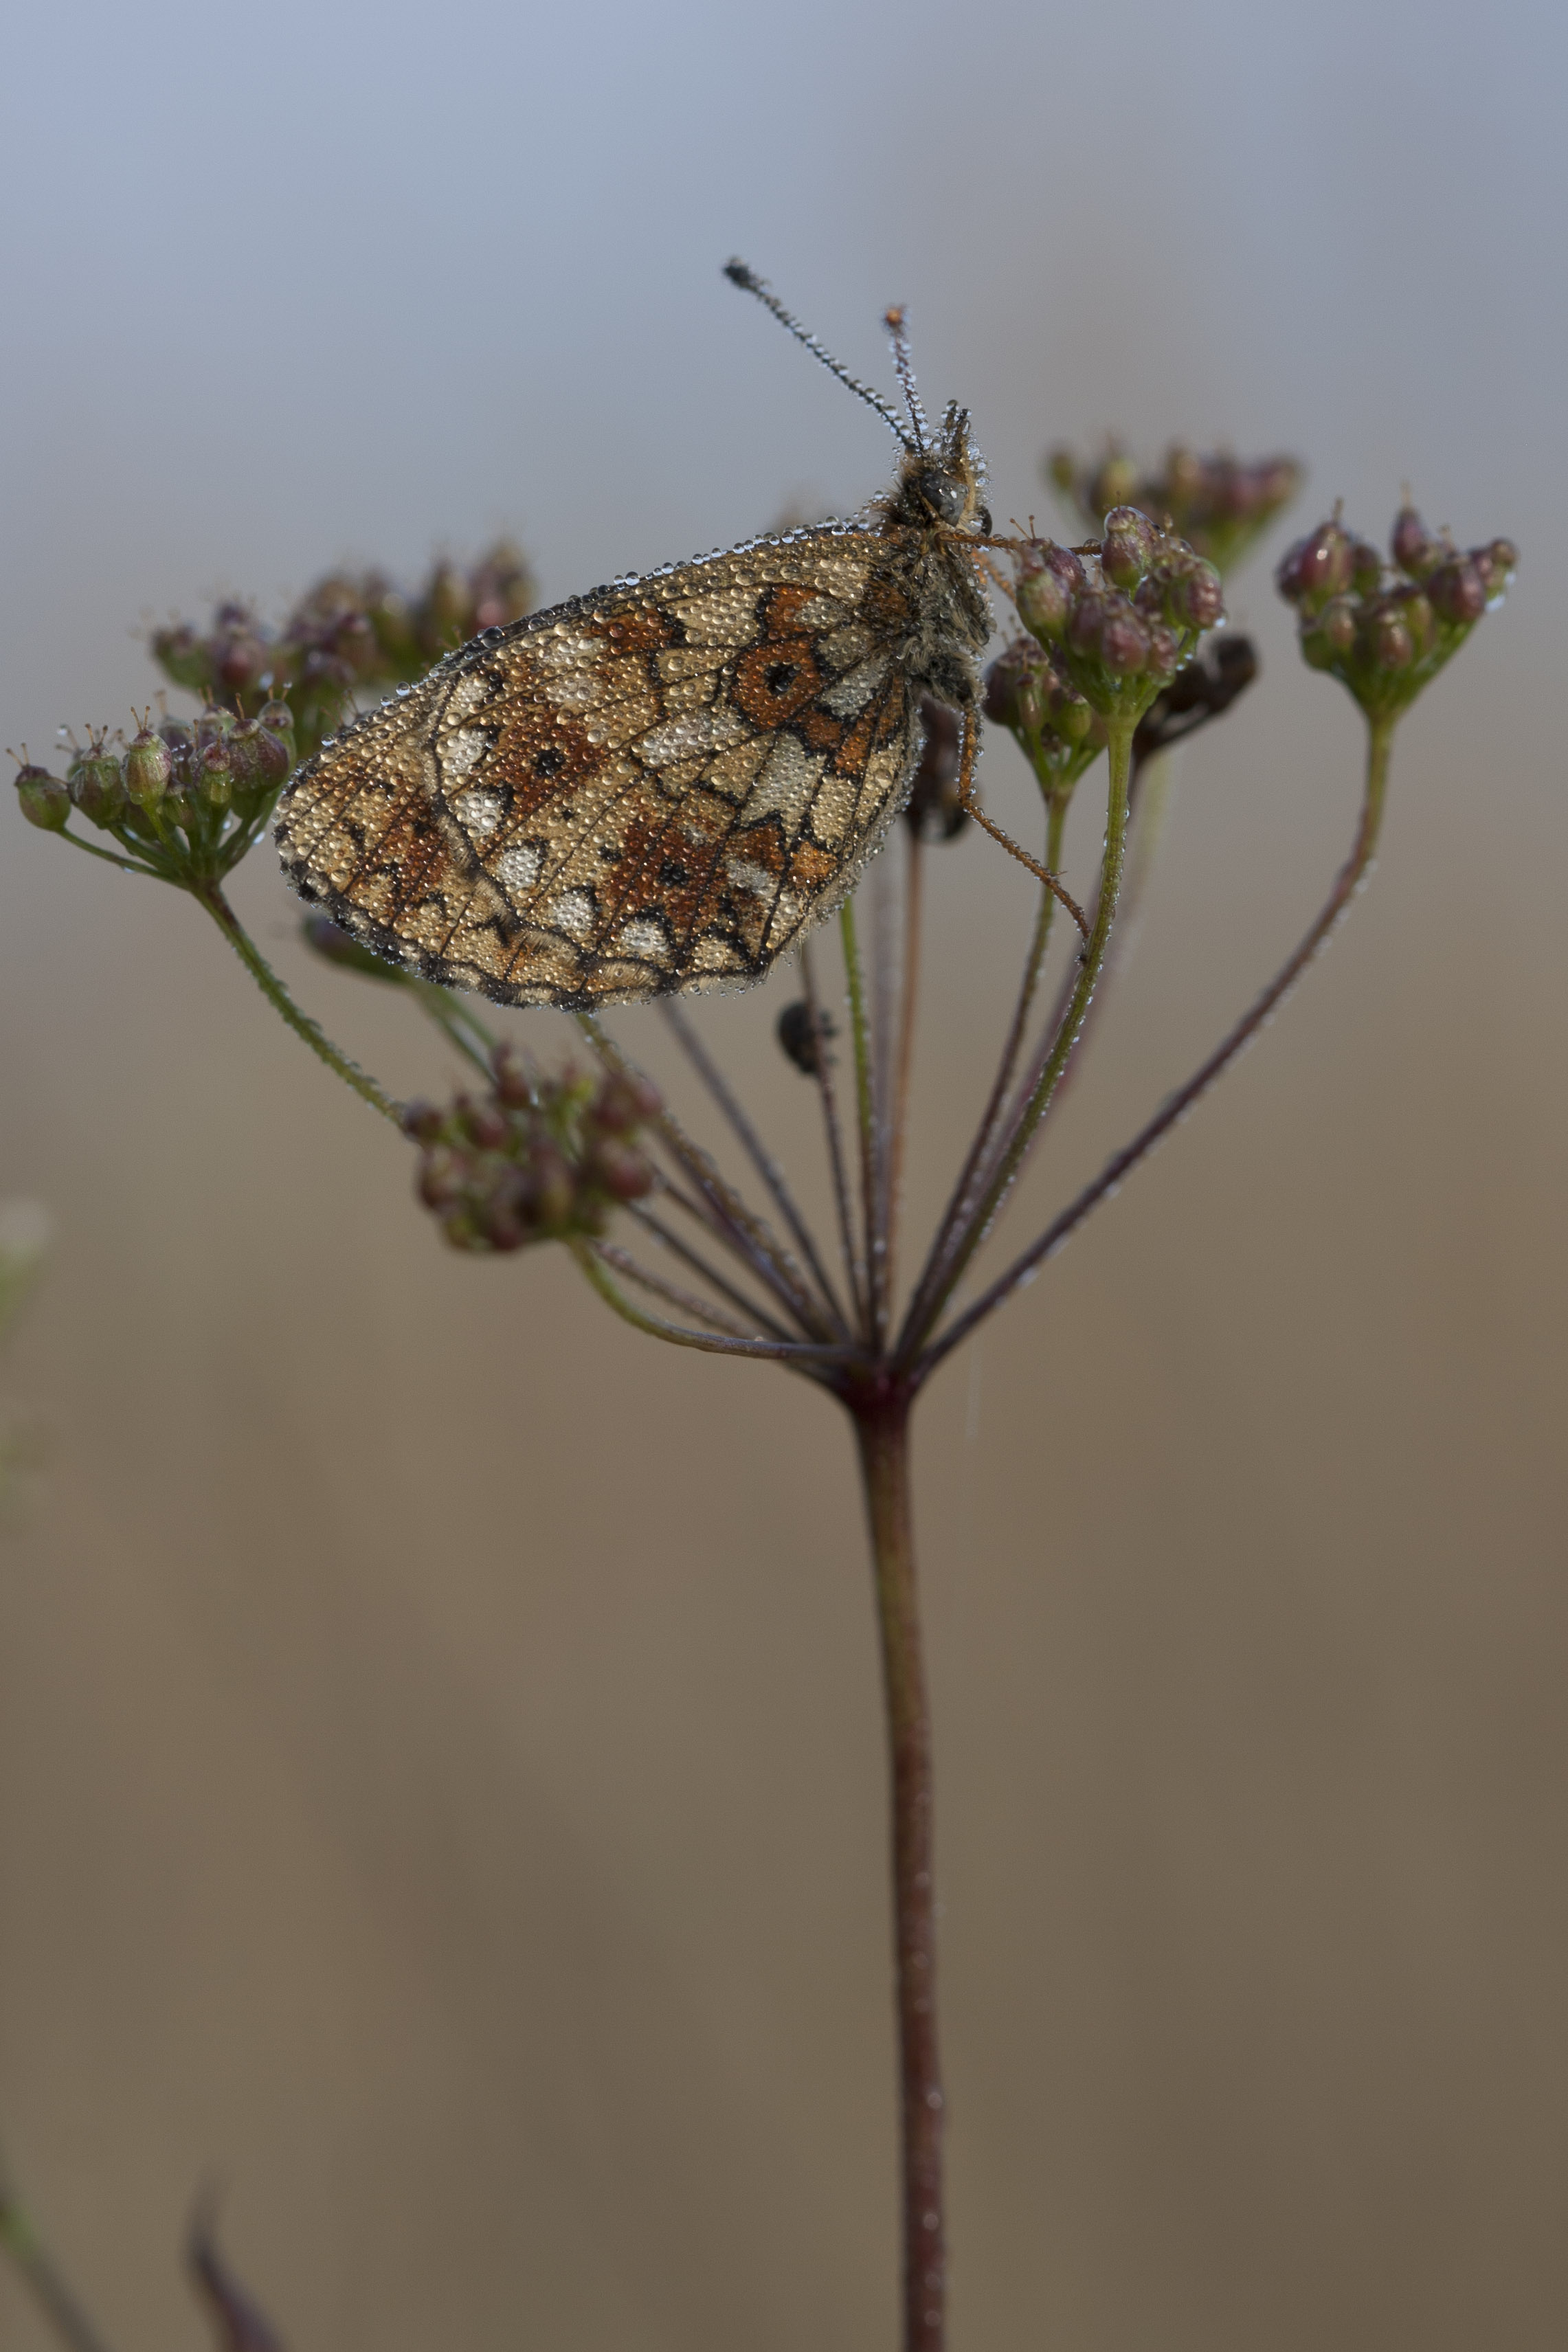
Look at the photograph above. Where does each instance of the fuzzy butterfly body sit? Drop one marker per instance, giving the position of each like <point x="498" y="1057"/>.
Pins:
<point x="659" y="786"/>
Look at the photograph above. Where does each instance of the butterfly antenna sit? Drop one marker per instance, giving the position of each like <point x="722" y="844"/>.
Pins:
<point x="740" y="275"/>
<point x="893" y="321"/>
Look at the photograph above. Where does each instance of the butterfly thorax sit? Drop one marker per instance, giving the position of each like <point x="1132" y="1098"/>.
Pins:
<point x="930" y="520"/>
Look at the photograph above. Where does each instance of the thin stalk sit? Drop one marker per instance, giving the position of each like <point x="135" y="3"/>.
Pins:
<point x="808" y="1360"/>
<point x="977" y="1221"/>
<point x="688" y="1301"/>
<point x="882" y="1430"/>
<point x="761" y="1158"/>
<point x="908" y="1003"/>
<point x="823" y="1074"/>
<point x="210" y="896"/>
<point x="1148" y="800"/>
<point x="699" y="1265"/>
<point x="865" y="1111"/>
<point x="127" y="865"/>
<point x="1351" y="876"/>
<point x="746" y="1233"/>
<point x="461" y="1030"/>
<point x="962" y="1197"/>
<point x="36" y="2265"/>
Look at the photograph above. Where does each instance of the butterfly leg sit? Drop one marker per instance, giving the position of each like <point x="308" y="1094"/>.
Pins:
<point x="967" y="757"/>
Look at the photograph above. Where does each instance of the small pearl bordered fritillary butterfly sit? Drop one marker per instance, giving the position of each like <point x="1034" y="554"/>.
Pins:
<point x="661" y="785"/>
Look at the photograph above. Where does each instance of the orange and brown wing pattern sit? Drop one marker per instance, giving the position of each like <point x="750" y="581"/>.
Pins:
<point x="654" y="788"/>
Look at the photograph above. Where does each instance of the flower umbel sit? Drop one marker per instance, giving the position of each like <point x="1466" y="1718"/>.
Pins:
<point x="537" y="1158"/>
<point x="1220" y="506"/>
<point x="1116" y="618"/>
<point x="1385" y="629"/>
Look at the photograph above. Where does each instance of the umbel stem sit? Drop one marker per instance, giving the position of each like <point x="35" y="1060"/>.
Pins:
<point x="882" y="1430"/>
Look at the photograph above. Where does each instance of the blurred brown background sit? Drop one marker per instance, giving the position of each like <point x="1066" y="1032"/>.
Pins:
<point x="440" y="1791"/>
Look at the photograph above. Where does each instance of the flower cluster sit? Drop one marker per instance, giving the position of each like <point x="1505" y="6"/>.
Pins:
<point x="350" y="634"/>
<point x="1116" y="619"/>
<point x="534" y="1158"/>
<point x="184" y="802"/>
<point x="1220" y="506"/>
<point x="1029" y="692"/>
<point x="1384" y="629"/>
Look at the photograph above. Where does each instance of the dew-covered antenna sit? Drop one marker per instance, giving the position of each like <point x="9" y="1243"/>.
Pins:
<point x="894" y="320"/>
<point x="740" y="275"/>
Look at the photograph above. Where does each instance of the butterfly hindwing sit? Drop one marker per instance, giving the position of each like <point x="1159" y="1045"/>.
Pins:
<point x="653" y="788"/>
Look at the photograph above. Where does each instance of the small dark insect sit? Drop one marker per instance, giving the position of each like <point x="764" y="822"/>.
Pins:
<point x="806" y="1041"/>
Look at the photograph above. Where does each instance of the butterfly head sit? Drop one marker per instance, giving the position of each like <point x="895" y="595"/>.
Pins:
<point x="940" y="487"/>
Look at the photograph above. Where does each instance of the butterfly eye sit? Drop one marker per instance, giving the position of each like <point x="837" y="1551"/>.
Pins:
<point x="943" y="494"/>
<point x="983" y="517"/>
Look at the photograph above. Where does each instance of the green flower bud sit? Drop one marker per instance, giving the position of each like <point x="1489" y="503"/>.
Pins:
<point x="96" y="782"/>
<point x="147" y="768"/>
<point x="215" y="775"/>
<point x="46" y="802"/>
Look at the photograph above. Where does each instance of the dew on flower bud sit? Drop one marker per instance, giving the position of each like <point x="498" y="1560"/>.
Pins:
<point x="1317" y="567"/>
<point x="1125" y="549"/>
<point x="149" y="763"/>
<point x="1045" y="591"/>
<point x="215" y="775"/>
<point x="1125" y="639"/>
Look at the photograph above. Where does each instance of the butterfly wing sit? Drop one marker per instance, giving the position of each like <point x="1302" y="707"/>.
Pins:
<point x="654" y="788"/>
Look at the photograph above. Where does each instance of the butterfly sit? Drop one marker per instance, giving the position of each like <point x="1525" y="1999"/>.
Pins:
<point x="661" y="785"/>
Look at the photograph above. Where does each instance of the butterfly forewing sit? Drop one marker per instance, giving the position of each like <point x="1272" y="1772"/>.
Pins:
<point x="653" y="788"/>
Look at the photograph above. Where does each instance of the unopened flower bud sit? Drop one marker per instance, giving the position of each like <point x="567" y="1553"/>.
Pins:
<point x="1390" y="643"/>
<point x="96" y="782"/>
<point x="421" y="1121"/>
<point x="215" y="776"/>
<point x="258" y="762"/>
<point x="278" y="719"/>
<point x="1317" y="567"/>
<point x="46" y="802"/>
<point x="148" y="765"/>
<point x="1125" y="639"/>
<point x="619" y="1171"/>
<point x="1367" y="568"/>
<point x="146" y="768"/>
<point x="1125" y="549"/>
<point x="1495" y="566"/>
<point x="1194" y="595"/>
<point x="1412" y="546"/>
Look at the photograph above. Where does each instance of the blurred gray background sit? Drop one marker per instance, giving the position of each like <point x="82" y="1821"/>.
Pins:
<point x="440" y="1791"/>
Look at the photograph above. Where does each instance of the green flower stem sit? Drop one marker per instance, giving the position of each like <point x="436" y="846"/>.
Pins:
<point x="1351" y="876"/>
<point x="210" y="896"/>
<point x="126" y="865"/>
<point x="978" y="1221"/>
<point x="35" y="2266"/>
<point x="866" y="1112"/>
